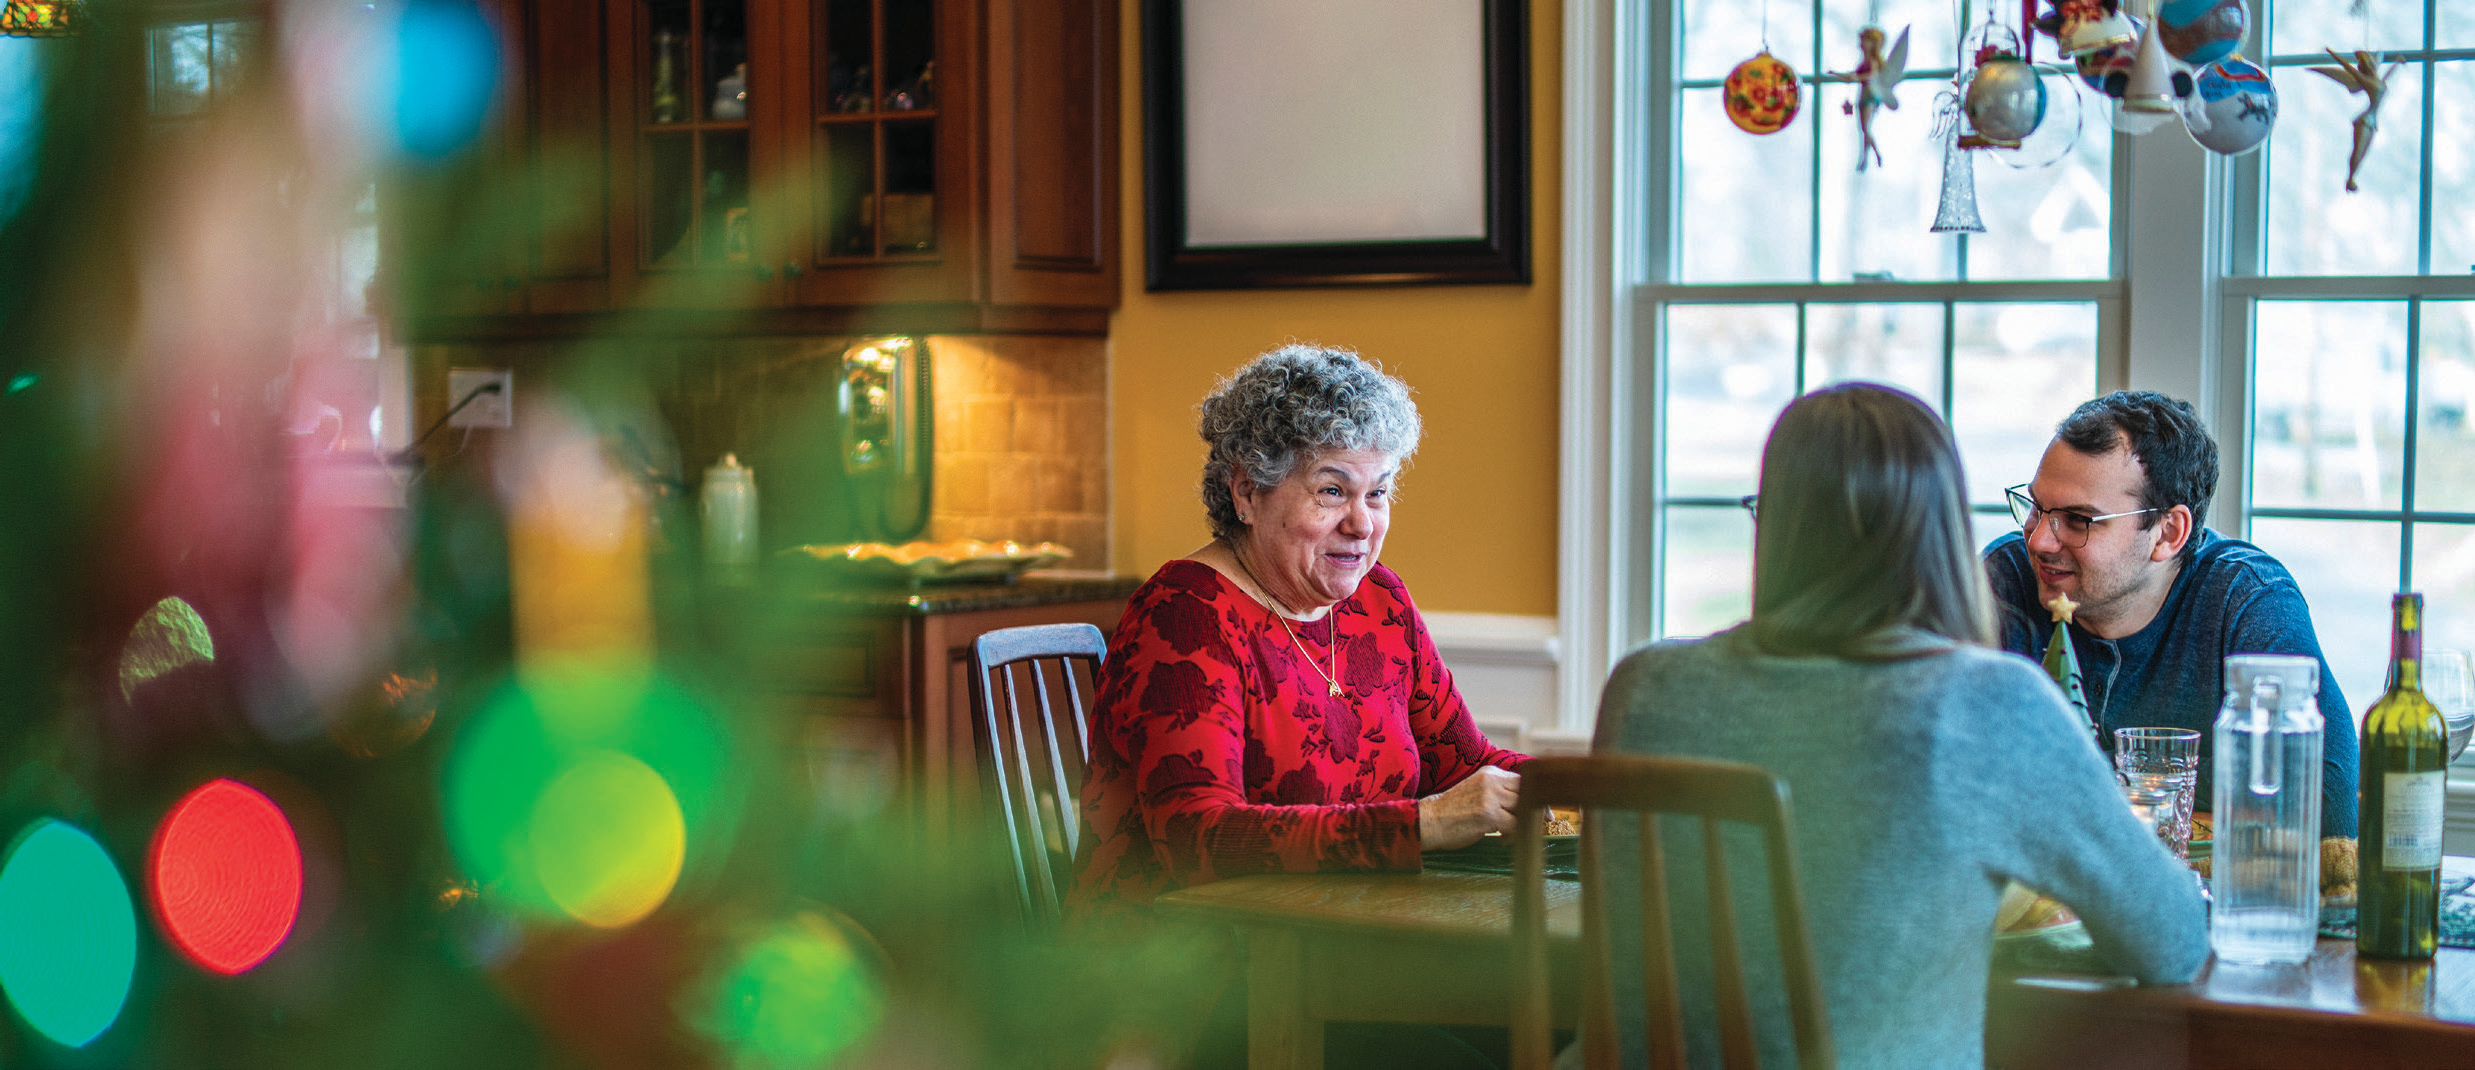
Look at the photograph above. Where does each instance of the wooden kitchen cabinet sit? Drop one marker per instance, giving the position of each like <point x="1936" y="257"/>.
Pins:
<point x="789" y="165"/>
<point x="879" y="689"/>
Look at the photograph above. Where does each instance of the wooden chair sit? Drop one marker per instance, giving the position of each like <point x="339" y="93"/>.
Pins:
<point x="1715" y="792"/>
<point x="1033" y="735"/>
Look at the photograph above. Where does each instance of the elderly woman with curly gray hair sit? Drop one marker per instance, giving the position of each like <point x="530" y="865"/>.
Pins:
<point x="1272" y="702"/>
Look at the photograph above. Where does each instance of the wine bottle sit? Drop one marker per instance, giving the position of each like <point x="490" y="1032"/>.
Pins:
<point x="2405" y="749"/>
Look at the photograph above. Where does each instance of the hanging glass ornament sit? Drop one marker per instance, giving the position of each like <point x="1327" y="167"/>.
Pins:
<point x="1957" y="211"/>
<point x="2234" y="109"/>
<point x="2202" y="32"/>
<point x="2006" y="101"/>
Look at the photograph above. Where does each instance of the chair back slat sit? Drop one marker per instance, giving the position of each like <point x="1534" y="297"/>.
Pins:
<point x="1000" y="781"/>
<point x="1660" y="992"/>
<point x="1718" y="793"/>
<point x="1736" y="1045"/>
<point x="1034" y="747"/>
<point x="1056" y="732"/>
<point x="1029" y="820"/>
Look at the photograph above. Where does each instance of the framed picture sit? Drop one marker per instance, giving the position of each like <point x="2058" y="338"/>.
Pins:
<point x="1335" y="142"/>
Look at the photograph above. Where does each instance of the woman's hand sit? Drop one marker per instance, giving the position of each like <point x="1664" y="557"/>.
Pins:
<point x="1481" y="803"/>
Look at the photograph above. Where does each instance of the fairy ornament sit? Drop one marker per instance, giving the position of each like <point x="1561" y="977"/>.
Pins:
<point x="2062" y="662"/>
<point x="2364" y="75"/>
<point x="1877" y="86"/>
<point x="1761" y="94"/>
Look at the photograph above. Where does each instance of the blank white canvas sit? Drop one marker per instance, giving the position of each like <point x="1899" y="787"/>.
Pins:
<point x="1329" y="121"/>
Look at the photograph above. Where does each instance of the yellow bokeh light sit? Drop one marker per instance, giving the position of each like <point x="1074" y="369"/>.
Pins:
<point x="608" y="840"/>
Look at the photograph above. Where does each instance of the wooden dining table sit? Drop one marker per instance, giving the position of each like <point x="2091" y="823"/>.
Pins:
<point x="1433" y="947"/>
<point x="1436" y="947"/>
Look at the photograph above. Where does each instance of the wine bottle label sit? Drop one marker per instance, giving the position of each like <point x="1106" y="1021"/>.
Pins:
<point x="2410" y="819"/>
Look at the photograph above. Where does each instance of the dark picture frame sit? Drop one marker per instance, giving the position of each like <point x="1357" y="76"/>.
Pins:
<point x="1501" y="255"/>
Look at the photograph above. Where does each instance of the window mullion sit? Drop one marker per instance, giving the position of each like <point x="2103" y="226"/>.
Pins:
<point x="1950" y="350"/>
<point x="2423" y="180"/>
<point x="2414" y="405"/>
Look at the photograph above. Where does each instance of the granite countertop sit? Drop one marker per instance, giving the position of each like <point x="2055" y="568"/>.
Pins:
<point x="1030" y="590"/>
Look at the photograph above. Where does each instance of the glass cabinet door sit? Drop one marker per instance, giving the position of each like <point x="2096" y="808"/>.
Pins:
<point x="693" y="125"/>
<point x="875" y="113"/>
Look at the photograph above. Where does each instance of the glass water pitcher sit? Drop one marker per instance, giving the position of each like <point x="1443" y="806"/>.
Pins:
<point x="2265" y="865"/>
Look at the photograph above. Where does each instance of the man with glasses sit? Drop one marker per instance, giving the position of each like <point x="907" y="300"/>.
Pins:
<point x="2112" y="522"/>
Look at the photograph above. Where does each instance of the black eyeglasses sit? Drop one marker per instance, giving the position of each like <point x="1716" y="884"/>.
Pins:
<point x="2069" y="527"/>
<point x="1752" y="504"/>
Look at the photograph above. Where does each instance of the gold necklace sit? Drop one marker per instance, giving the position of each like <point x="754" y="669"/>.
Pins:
<point x="1281" y="611"/>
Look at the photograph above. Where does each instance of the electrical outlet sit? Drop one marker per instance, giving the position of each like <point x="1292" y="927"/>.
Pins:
<point x="489" y="408"/>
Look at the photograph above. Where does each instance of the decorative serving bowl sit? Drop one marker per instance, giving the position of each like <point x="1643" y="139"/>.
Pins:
<point x="955" y="561"/>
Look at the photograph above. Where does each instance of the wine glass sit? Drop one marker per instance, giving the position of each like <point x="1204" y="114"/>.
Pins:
<point x="2449" y="681"/>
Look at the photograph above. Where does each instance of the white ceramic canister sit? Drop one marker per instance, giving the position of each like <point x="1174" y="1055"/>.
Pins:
<point x="729" y="505"/>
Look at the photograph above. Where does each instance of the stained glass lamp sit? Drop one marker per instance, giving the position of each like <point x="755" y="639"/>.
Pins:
<point x="42" y="18"/>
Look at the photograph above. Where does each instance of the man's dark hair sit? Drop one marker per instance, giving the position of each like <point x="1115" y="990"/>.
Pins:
<point x="2174" y="449"/>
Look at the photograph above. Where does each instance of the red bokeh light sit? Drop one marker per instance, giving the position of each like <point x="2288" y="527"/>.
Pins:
<point x="226" y="876"/>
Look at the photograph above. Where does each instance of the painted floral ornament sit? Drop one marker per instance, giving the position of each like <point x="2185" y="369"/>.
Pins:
<point x="2082" y="26"/>
<point x="1762" y="95"/>
<point x="2236" y="107"/>
<point x="2201" y="32"/>
<point x="2006" y="101"/>
<point x="2107" y="70"/>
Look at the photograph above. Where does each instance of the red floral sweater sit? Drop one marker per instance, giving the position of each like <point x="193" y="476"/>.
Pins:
<point x="1217" y="749"/>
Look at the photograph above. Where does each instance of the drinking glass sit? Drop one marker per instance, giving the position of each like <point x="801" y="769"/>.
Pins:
<point x="2154" y="805"/>
<point x="2154" y="761"/>
<point x="2449" y="681"/>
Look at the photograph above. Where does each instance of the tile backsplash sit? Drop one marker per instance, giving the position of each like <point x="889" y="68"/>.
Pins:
<point x="1020" y="425"/>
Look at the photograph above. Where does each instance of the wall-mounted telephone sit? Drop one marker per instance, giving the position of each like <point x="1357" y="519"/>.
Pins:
<point x="888" y="425"/>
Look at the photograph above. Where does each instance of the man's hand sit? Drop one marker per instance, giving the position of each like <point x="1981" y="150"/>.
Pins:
<point x="1481" y="803"/>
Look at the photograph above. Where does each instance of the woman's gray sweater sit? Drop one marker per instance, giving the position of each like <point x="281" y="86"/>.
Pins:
<point x="1918" y="788"/>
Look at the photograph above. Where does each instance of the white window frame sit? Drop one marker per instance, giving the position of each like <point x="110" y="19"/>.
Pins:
<point x="2176" y="319"/>
<point x="2158" y="327"/>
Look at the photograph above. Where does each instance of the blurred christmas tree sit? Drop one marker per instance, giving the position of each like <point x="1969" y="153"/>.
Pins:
<point x="316" y="756"/>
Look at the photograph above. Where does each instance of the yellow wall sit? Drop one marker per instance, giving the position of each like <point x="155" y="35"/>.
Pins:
<point x="1476" y="528"/>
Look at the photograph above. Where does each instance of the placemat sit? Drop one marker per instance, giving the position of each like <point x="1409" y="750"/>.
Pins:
<point x="2457" y="914"/>
<point x="1493" y="854"/>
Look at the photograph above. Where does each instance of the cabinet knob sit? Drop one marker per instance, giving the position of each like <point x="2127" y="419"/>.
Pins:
<point x="791" y="269"/>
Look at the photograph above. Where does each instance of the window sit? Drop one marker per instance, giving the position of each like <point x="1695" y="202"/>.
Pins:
<point x="2358" y="318"/>
<point x="2327" y="337"/>
<point x="190" y="66"/>
<point x="356" y="393"/>
<point x="1790" y="269"/>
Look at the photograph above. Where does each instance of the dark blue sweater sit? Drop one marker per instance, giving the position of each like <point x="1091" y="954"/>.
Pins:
<point x="2230" y="598"/>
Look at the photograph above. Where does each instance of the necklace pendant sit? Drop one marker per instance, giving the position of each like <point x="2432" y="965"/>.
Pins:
<point x="1336" y="688"/>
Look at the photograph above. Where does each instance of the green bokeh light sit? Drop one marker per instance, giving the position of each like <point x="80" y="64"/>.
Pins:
<point x="798" y="993"/>
<point x="543" y="729"/>
<point x="607" y="840"/>
<point x="170" y="636"/>
<point x="68" y="934"/>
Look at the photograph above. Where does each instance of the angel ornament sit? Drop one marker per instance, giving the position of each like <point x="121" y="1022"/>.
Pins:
<point x="2364" y="76"/>
<point x="1877" y="86"/>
